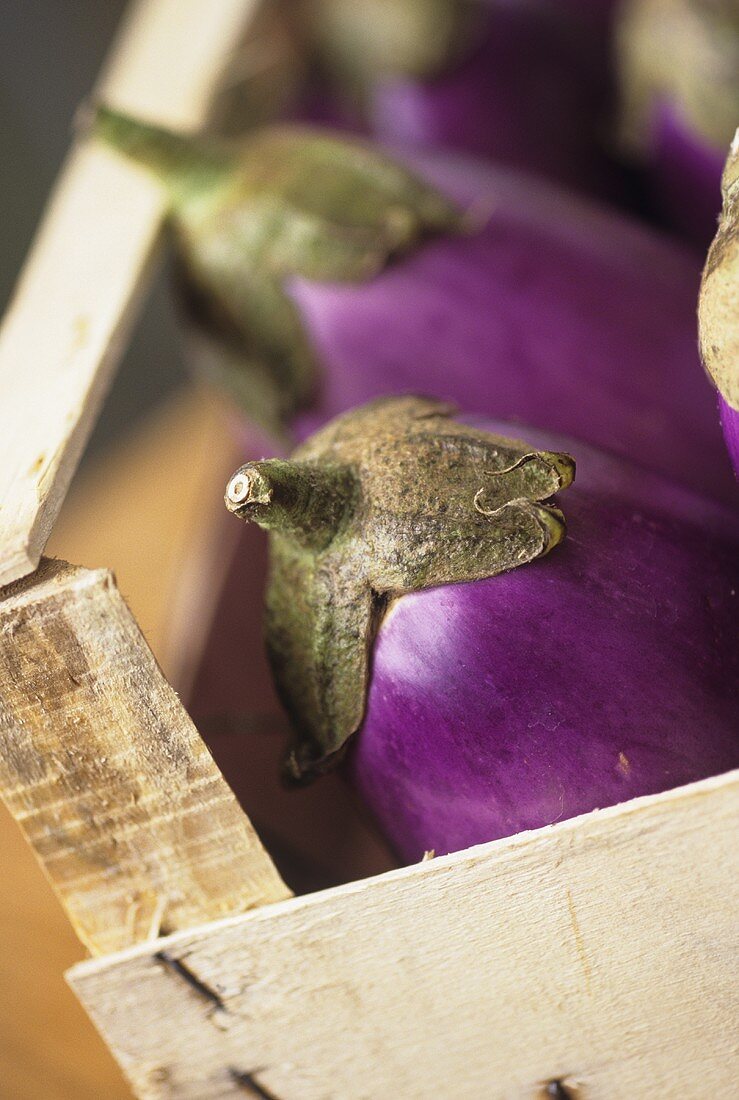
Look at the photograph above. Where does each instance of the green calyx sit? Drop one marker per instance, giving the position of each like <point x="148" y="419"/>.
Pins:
<point x="285" y="201"/>
<point x="389" y="498"/>
<point x="718" y="307"/>
<point x="682" y="51"/>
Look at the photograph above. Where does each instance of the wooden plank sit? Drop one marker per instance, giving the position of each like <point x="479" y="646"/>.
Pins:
<point x="599" y="952"/>
<point x="88" y="268"/>
<point x="48" y="1046"/>
<point x="107" y="775"/>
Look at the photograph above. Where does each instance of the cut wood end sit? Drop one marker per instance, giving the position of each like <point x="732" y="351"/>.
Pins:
<point x="106" y="774"/>
<point x="15" y="565"/>
<point x="52" y="575"/>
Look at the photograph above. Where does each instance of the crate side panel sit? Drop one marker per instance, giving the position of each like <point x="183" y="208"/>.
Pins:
<point x="598" y="952"/>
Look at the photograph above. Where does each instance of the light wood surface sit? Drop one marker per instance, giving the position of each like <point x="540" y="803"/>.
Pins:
<point x="169" y="552"/>
<point x="120" y="513"/>
<point x="600" y="952"/>
<point x="68" y="322"/>
<point x="102" y="767"/>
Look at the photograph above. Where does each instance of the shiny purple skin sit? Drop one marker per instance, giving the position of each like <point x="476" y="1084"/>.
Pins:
<point x="557" y="313"/>
<point x="608" y="670"/>
<point x="531" y="94"/>
<point x="730" y="424"/>
<point x="686" y="176"/>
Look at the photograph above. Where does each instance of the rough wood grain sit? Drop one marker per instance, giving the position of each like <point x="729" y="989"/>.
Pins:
<point x="69" y="318"/>
<point x="600" y="952"/>
<point x="48" y="1046"/>
<point x="106" y="773"/>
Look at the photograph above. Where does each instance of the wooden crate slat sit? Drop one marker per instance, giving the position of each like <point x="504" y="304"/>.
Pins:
<point x="67" y="324"/>
<point x="600" y="952"/>
<point x="106" y="774"/>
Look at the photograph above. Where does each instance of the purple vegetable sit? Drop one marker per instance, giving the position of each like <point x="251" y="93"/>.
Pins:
<point x="554" y="313"/>
<point x="605" y="671"/>
<point x="392" y="497"/>
<point x="680" y="102"/>
<point x="324" y="274"/>
<point x="686" y="175"/>
<point x="718" y="309"/>
<point x="531" y="93"/>
<point x="524" y="83"/>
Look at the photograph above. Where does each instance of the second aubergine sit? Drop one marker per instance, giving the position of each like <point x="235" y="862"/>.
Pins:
<point x="321" y="272"/>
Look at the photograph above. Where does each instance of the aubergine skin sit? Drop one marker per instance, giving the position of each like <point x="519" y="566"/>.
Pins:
<point x="533" y="93"/>
<point x="322" y="273"/>
<point x="730" y="424"/>
<point x="607" y="671"/>
<point x="686" y="175"/>
<point x="527" y="85"/>
<point x="555" y="312"/>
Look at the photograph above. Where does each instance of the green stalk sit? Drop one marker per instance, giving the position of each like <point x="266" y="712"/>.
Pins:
<point x="389" y="498"/>
<point x="286" y="201"/>
<point x="187" y="167"/>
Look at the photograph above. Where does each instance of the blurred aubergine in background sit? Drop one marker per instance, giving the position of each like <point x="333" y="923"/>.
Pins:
<point x="678" y="70"/>
<point x="632" y="101"/>
<point x="524" y="83"/>
<point x="320" y="272"/>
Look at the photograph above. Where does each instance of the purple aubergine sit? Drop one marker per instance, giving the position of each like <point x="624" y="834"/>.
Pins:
<point x="718" y="309"/>
<point x="556" y="312"/>
<point x="391" y="497"/>
<point x="604" y="672"/>
<point x="532" y="94"/>
<point x="481" y="705"/>
<point x="322" y="273"/>
<point x="523" y="83"/>
<point x="678" y="64"/>
<point x="730" y="424"/>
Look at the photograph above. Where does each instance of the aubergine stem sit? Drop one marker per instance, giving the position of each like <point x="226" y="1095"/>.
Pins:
<point x="718" y="309"/>
<point x="390" y="498"/>
<point x="285" y="201"/>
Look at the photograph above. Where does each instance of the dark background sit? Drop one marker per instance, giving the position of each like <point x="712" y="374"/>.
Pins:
<point x="50" y="53"/>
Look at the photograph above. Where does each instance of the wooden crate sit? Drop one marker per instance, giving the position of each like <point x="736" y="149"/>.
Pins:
<point x="591" y="959"/>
